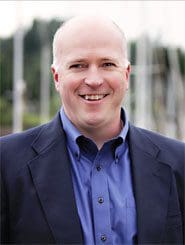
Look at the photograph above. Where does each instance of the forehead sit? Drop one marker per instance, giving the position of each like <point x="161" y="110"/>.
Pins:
<point x="86" y="25"/>
<point x="92" y="36"/>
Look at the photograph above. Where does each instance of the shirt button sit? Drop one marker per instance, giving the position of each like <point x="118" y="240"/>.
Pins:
<point x="103" y="238"/>
<point x="98" y="167"/>
<point x="100" y="200"/>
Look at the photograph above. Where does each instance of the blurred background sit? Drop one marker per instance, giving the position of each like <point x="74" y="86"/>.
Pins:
<point x="156" y="48"/>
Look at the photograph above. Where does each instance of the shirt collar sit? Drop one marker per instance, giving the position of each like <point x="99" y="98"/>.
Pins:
<point x="124" y="131"/>
<point x="72" y="133"/>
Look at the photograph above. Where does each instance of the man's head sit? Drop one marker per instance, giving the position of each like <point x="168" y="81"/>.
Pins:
<point x="90" y="70"/>
<point x="82" y="22"/>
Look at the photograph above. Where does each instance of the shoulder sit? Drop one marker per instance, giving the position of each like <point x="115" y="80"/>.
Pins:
<point x="162" y="141"/>
<point x="27" y="143"/>
<point x="156" y="138"/>
<point x="20" y="139"/>
<point x="16" y="149"/>
<point x="168" y="150"/>
<point x="27" y="137"/>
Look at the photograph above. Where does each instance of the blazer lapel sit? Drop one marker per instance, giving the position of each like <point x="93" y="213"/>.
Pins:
<point x="51" y="175"/>
<point x="151" y="181"/>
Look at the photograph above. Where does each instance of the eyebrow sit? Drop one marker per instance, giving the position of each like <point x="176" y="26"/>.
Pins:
<point x="77" y="60"/>
<point x="80" y="60"/>
<point x="109" y="59"/>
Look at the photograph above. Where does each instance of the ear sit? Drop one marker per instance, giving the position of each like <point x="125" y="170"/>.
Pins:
<point x="127" y="74"/>
<point x="55" y="74"/>
<point x="128" y="70"/>
<point x="55" y="77"/>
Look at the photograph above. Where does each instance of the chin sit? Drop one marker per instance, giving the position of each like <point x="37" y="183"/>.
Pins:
<point x="93" y="121"/>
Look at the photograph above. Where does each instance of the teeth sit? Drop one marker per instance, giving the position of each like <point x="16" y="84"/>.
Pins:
<point x="93" y="97"/>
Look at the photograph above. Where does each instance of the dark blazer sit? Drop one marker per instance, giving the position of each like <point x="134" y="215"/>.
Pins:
<point x="38" y="203"/>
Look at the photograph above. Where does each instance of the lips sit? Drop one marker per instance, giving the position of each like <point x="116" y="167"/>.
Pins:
<point x="93" y="97"/>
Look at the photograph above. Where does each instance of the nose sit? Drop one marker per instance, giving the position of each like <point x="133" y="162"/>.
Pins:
<point x="93" y="78"/>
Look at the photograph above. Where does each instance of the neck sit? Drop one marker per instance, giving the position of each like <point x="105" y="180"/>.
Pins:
<point x="102" y="134"/>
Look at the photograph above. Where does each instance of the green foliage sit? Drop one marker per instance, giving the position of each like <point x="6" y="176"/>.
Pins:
<point x="30" y="120"/>
<point x="133" y="52"/>
<point x="6" y="65"/>
<point x="181" y="55"/>
<point x="6" y="112"/>
<point x="55" y="104"/>
<point x="41" y="32"/>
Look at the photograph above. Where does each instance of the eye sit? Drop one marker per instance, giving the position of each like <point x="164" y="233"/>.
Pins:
<point x="108" y="64"/>
<point x="77" y="66"/>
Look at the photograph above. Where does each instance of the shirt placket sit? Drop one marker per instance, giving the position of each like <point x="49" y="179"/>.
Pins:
<point x="100" y="204"/>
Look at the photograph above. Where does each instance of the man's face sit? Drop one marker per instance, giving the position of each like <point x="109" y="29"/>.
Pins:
<point x="92" y="78"/>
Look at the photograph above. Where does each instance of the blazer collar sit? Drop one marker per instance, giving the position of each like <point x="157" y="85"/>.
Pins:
<point x="151" y="183"/>
<point x="49" y="135"/>
<point x="50" y="171"/>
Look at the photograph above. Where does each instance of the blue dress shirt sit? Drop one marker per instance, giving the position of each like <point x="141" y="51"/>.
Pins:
<point x="102" y="184"/>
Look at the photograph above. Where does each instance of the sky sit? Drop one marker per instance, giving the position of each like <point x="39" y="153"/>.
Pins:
<point x="163" y="21"/>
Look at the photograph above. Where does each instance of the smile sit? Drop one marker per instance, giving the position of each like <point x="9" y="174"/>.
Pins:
<point x="93" y="97"/>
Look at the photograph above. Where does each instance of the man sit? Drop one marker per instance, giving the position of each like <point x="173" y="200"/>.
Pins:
<point x="89" y="176"/>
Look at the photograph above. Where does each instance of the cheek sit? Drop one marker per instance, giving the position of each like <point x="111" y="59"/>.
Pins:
<point x="70" y="83"/>
<point x="119" y="87"/>
<point x="118" y="84"/>
<point x="67" y="91"/>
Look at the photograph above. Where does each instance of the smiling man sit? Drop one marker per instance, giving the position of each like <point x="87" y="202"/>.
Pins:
<point x="91" y="74"/>
<point x="89" y="176"/>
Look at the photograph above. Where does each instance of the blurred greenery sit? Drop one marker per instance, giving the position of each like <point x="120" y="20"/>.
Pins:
<point x="30" y="120"/>
<point x="34" y="38"/>
<point x="6" y="112"/>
